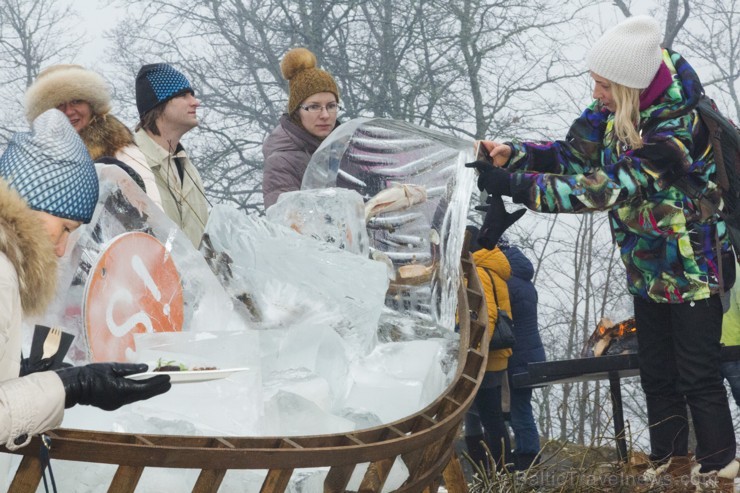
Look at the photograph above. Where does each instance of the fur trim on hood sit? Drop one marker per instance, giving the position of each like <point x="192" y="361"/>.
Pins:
<point x="105" y="136"/>
<point x="25" y="242"/>
<point x="62" y="83"/>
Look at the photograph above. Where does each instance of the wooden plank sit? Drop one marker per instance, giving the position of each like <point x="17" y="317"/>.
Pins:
<point x="428" y="457"/>
<point x="431" y="454"/>
<point x="429" y="477"/>
<point x="125" y="479"/>
<point x="376" y="475"/>
<point x="412" y="460"/>
<point x="338" y="478"/>
<point x="209" y="480"/>
<point x="28" y="476"/>
<point x="276" y="481"/>
<point x="454" y="477"/>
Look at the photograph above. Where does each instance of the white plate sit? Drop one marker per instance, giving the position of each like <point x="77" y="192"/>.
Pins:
<point x="189" y="376"/>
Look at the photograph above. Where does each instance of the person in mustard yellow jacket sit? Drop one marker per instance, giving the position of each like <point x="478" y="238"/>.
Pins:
<point x="485" y="421"/>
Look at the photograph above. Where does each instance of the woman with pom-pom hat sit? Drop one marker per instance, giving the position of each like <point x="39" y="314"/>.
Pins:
<point x="313" y="102"/>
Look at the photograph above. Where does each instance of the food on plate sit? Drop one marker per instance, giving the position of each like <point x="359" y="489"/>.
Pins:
<point x="175" y="366"/>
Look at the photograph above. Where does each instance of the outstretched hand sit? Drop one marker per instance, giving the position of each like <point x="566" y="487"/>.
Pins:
<point x="499" y="153"/>
<point x="104" y="385"/>
<point x="493" y="180"/>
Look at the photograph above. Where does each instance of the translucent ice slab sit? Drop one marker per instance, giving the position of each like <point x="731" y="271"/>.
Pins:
<point x="423" y="241"/>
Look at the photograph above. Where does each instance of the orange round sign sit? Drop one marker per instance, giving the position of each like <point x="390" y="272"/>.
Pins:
<point x="134" y="288"/>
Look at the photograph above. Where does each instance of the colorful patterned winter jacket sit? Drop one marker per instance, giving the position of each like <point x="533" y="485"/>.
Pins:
<point x="670" y="252"/>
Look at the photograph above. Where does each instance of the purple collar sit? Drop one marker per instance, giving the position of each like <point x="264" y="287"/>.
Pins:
<point x="657" y="87"/>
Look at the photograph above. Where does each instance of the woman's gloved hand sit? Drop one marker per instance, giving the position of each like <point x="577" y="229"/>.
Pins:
<point x="45" y="364"/>
<point x="492" y="179"/>
<point x="104" y="385"/>
<point x="41" y="365"/>
<point x="497" y="220"/>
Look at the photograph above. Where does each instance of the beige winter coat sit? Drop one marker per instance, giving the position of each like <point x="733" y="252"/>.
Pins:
<point x="107" y="136"/>
<point x="35" y="403"/>
<point x="183" y="201"/>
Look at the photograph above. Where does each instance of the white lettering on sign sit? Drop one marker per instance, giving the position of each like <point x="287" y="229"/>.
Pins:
<point x="124" y="295"/>
<point x="143" y="273"/>
<point x="134" y="288"/>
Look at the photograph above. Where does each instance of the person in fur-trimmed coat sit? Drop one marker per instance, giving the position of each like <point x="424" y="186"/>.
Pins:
<point x="84" y="97"/>
<point x="37" y="214"/>
<point x="27" y="273"/>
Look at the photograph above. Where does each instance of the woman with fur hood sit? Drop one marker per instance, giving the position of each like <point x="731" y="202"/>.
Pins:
<point x="313" y="103"/>
<point x="84" y="97"/>
<point x="48" y="188"/>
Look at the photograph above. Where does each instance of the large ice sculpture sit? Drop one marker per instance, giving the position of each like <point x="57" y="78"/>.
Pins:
<point x="161" y="264"/>
<point x="285" y="279"/>
<point x="333" y="215"/>
<point x="423" y="241"/>
<point x="308" y="334"/>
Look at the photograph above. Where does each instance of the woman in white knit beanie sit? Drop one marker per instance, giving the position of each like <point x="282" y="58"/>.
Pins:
<point x="623" y="155"/>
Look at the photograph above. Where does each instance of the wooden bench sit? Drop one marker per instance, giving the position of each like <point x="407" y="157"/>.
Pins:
<point x="612" y="367"/>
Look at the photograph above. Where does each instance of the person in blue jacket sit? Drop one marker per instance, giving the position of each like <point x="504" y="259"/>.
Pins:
<point x="528" y="349"/>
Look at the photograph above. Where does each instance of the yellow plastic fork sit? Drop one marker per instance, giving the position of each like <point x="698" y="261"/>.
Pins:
<point x="51" y="343"/>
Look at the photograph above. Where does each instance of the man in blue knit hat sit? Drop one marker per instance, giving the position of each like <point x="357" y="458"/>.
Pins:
<point x="167" y="110"/>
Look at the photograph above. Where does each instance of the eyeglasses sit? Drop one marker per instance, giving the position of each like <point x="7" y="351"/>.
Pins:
<point x="73" y="103"/>
<point x="330" y="108"/>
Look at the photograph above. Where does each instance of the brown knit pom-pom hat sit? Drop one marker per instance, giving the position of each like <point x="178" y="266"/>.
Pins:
<point x="304" y="78"/>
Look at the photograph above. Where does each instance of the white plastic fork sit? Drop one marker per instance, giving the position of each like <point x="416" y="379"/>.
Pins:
<point x="51" y="343"/>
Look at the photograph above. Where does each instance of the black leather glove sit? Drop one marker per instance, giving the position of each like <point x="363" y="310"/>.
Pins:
<point x="41" y="365"/>
<point x="104" y="385"/>
<point x="497" y="220"/>
<point x="492" y="179"/>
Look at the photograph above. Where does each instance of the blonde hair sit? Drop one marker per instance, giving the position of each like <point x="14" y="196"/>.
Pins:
<point x="627" y="115"/>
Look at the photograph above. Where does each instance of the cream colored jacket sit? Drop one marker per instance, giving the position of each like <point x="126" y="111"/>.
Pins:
<point x="133" y="156"/>
<point x="35" y="403"/>
<point x="183" y="201"/>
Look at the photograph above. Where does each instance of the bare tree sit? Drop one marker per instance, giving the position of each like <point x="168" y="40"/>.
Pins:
<point x="470" y="68"/>
<point x="509" y="55"/>
<point x="231" y="51"/>
<point x="714" y="39"/>
<point x="33" y="34"/>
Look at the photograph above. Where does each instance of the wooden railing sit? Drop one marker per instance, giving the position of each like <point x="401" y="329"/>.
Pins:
<point x="424" y="440"/>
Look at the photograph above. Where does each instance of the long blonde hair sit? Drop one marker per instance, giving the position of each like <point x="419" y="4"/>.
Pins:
<point x="627" y="116"/>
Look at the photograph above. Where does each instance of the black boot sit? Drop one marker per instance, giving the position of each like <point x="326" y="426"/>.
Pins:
<point x="522" y="462"/>
<point x="477" y="451"/>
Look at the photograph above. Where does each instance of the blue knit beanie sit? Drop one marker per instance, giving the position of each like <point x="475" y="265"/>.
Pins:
<point x="158" y="83"/>
<point x="51" y="168"/>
